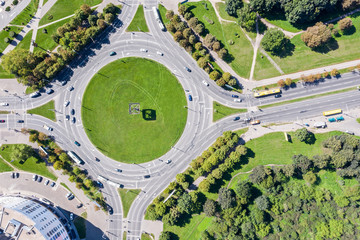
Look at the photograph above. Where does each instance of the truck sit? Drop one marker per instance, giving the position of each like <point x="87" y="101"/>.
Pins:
<point x="320" y="124"/>
<point x="254" y="122"/>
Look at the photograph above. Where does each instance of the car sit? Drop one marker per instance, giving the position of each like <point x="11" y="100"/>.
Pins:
<point x="46" y="182"/>
<point x="71" y="216"/>
<point x="49" y="91"/>
<point x="118" y="170"/>
<point x="110" y="210"/>
<point x="306" y="124"/>
<point x="63" y="83"/>
<point x="4" y="104"/>
<point x="12" y="175"/>
<point x="71" y="88"/>
<point x="112" y="53"/>
<point x="79" y="205"/>
<point x="237" y="100"/>
<point x="277" y="95"/>
<point x="236" y="118"/>
<point x="2" y="3"/>
<point x="66" y="103"/>
<point x="67" y="117"/>
<point x="349" y="132"/>
<point x="96" y="159"/>
<point x="48" y="128"/>
<point x="53" y="184"/>
<point x="147" y="176"/>
<point x="39" y="179"/>
<point x="143" y="50"/>
<point x="168" y="161"/>
<point x="254" y="122"/>
<point x="35" y="177"/>
<point x="77" y="143"/>
<point x="234" y="96"/>
<point x="35" y="94"/>
<point x="2" y="121"/>
<point x="68" y="195"/>
<point x="73" y="120"/>
<point x="205" y="83"/>
<point x="72" y="112"/>
<point x="71" y="197"/>
<point x="187" y="69"/>
<point x="20" y="121"/>
<point x="100" y="185"/>
<point x="159" y="53"/>
<point x="190" y="98"/>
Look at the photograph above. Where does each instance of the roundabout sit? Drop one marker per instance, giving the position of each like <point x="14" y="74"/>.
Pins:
<point x="133" y="110"/>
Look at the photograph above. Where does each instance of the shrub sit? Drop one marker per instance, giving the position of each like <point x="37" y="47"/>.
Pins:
<point x="7" y="9"/>
<point x="12" y="34"/>
<point x="345" y="24"/>
<point x="7" y="40"/>
<point x="15" y="2"/>
<point x="50" y="17"/>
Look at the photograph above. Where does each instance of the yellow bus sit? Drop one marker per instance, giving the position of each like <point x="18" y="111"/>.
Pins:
<point x="332" y="112"/>
<point x="267" y="92"/>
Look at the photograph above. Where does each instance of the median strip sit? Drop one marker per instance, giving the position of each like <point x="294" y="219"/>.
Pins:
<point x="306" y="98"/>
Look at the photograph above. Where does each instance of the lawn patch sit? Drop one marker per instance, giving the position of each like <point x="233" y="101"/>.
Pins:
<point x="134" y="138"/>
<point x="5" y="34"/>
<point x="162" y="11"/>
<point x="26" y="15"/>
<point x="221" y="111"/>
<point x="4" y="167"/>
<point x="25" y="42"/>
<point x="264" y="68"/>
<point x="4" y="74"/>
<point x="46" y="110"/>
<point x="127" y="197"/>
<point x="220" y="7"/>
<point x="32" y="164"/>
<point x="65" y="8"/>
<point x="44" y="40"/>
<point x="138" y="24"/>
<point x="145" y="236"/>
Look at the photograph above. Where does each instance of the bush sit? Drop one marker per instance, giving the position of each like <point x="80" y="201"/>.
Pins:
<point x="12" y="34"/>
<point x="15" y="2"/>
<point x="50" y="17"/>
<point x="7" y="9"/>
<point x="7" y="40"/>
<point x="345" y="24"/>
<point x="44" y="30"/>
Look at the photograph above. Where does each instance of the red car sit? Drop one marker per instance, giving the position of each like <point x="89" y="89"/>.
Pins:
<point x="2" y="121"/>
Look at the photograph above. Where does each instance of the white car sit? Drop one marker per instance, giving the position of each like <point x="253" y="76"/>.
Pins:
<point x="168" y="161"/>
<point x="66" y="103"/>
<point x="237" y="100"/>
<point x="4" y="104"/>
<point x="47" y="128"/>
<point x="143" y="50"/>
<point x="205" y="83"/>
<point x="159" y="53"/>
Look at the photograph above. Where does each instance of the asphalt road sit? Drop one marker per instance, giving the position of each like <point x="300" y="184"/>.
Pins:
<point x="199" y="133"/>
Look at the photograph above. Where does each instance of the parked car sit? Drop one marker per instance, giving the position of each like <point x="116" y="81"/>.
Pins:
<point x="190" y="98"/>
<point x="159" y="53"/>
<point x="2" y="3"/>
<point x="349" y="132"/>
<point x="53" y="184"/>
<point x="63" y="83"/>
<point x="112" y="54"/>
<point x="110" y="210"/>
<point x="49" y="91"/>
<point x="12" y="175"/>
<point x="2" y="121"/>
<point x="46" y="182"/>
<point x="39" y="179"/>
<point x="35" y="177"/>
<point x="72" y="112"/>
<point x="66" y="103"/>
<point x="4" y="104"/>
<point x="77" y="143"/>
<point x="79" y="205"/>
<point x="96" y="159"/>
<point x="73" y="120"/>
<point x="205" y="83"/>
<point x="147" y="176"/>
<point x="67" y="117"/>
<point x="17" y="175"/>
<point x="35" y="94"/>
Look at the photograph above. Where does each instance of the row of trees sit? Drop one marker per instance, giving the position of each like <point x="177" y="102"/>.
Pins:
<point x="60" y="161"/>
<point x="36" y="69"/>
<point x="185" y="36"/>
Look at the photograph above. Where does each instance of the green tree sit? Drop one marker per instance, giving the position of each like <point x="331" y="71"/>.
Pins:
<point x="160" y="209"/>
<point x="199" y="28"/>
<point x="169" y="14"/>
<point x="210" y="207"/>
<point x="222" y="53"/>
<point x="182" y="9"/>
<point x="86" y="9"/>
<point x="58" y="165"/>
<point x="21" y="152"/>
<point x="226" y="198"/>
<point x="247" y="18"/>
<point x="310" y="177"/>
<point x="304" y="135"/>
<point x="274" y="41"/>
<point x="243" y="191"/>
<point x="262" y="202"/>
<point x="184" y="203"/>
<point x="214" y="75"/>
<point x="165" y="235"/>
<point x="303" y="163"/>
<point x="172" y="217"/>
<point x="204" y="185"/>
<point x="258" y="174"/>
<point x="231" y="6"/>
<point x="110" y="8"/>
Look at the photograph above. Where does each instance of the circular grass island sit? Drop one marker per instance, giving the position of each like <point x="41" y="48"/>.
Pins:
<point x="133" y="110"/>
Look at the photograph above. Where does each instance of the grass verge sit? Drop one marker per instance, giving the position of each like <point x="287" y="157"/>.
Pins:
<point x="307" y="98"/>
<point x="80" y="225"/>
<point x="25" y="16"/>
<point x="29" y="90"/>
<point x="145" y="236"/>
<point x="221" y="111"/>
<point x="138" y="24"/>
<point x="32" y="164"/>
<point x="4" y="74"/>
<point x="25" y="42"/>
<point x="263" y="68"/>
<point x="358" y="120"/>
<point x="4" y="167"/>
<point x="46" y="110"/>
<point x="124" y="235"/>
<point x="127" y="197"/>
<point x="4" y="112"/>
<point x="220" y="7"/>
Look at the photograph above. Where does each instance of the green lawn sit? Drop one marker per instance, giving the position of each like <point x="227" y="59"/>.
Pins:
<point x="346" y="48"/>
<point x="221" y="111"/>
<point x="358" y="120"/>
<point x="193" y="229"/>
<point x="145" y="236"/>
<point x="25" y="16"/>
<point x="44" y="40"/>
<point x="124" y="235"/>
<point x="4" y="74"/>
<point x="134" y="138"/>
<point x="32" y="164"/>
<point x="80" y="225"/>
<point x="162" y="11"/>
<point x="280" y="21"/>
<point x="4" y="167"/>
<point x="241" y="131"/>
<point x="46" y="110"/>
<point x="4" y="34"/>
<point x="25" y="42"/>
<point x="241" y="50"/>
<point x="264" y="68"/>
<point x="29" y="90"/>
<point x="127" y="197"/>
<point x="138" y="24"/>
<point x="65" y="8"/>
<point x="220" y="7"/>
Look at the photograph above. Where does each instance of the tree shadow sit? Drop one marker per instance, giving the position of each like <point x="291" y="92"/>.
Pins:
<point x="262" y="27"/>
<point x="329" y="46"/>
<point x="288" y="50"/>
<point x="351" y="30"/>
<point x="149" y="114"/>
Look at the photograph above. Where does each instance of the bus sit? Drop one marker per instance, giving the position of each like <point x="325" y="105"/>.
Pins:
<point x="158" y="19"/>
<point x="267" y="92"/>
<point x="75" y="157"/>
<point x="332" y="112"/>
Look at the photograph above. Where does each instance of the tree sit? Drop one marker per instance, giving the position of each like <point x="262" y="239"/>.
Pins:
<point x="88" y="183"/>
<point x="209" y="207"/>
<point x="226" y="198"/>
<point x="193" y="22"/>
<point x="184" y="203"/>
<point x="188" y="15"/>
<point x="288" y="82"/>
<point x="303" y="163"/>
<point x="321" y="161"/>
<point x="178" y="36"/>
<point x="231" y="6"/>
<point x="349" y="4"/>
<point x="192" y="39"/>
<point x="92" y="19"/>
<point x="262" y="202"/>
<point x="334" y="72"/>
<point x="33" y="137"/>
<point x="182" y="9"/>
<point x="289" y="170"/>
<point x="222" y="53"/>
<point x="209" y="40"/>
<point x="216" y="46"/>
<point x="342" y="158"/>
<point x="258" y="174"/>
<point x="109" y="17"/>
<point x="204" y="186"/>
<point x="310" y="177"/>
<point x="166" y="235"/>
<point x="303" y="135"/>
<point x="171" y="27"/>
<point x="11" y="34"/>
<point x="169" y="14"/>
<point x="281" y="83"/>
<point x="101" y="23"/>
<point x="199" y="28"/>
<point x="215" y="75"/>
<point x="202" y="62"/>
<point x="221" y="82"/>
<point x="58" y="165"/>
<point x="345" y="24"/>
<point x="21" y="152"/>
<point x="243" y="191"/>
<point x="247" y="18"/>
<point x="42" y="136"/>
<point x="86" y="9"/>
<point x="172" y="217"/>
<point x="64" y="157"/>
<point x="160" y="209"/>
<point x="317" y="35"/>
<point x="274" y="41"/>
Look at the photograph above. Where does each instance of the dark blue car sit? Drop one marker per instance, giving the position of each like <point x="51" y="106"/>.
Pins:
<point x="235" y="96"/>
<point x="190" y="98"/>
